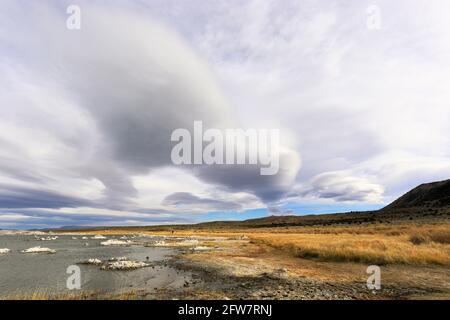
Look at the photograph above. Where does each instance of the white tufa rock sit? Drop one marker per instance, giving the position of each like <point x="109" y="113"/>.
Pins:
<point x="98" y="237"/>
<point x="49" y="238"/>
<point x="38" y="249"/>
<point x="160" y="243"/>
<point x="118" y="259"/>
<point x="124" y="265"/>
<point x="3" y="251"/>
<point x="201" y="248"/>
<point x="190" y="242"/>
<point x="94" y="261"/>
<point x="113" y="242"/>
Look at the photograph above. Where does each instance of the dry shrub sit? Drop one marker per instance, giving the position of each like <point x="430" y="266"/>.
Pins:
<point x="440" y="237"/>
<point x="418" y="239"/>
<point x="428" y="235"/>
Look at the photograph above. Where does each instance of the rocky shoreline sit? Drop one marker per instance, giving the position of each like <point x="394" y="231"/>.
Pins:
<point x="211" y="283"/>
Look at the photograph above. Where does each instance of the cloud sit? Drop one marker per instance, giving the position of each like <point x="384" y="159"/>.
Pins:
<point x="247" y="178"/>
<point x="14" y="217"/>
<point x="19" y="198"/>
<point x="342" y="186"/>
<point x="33" y="219"/>
<point x="279" y="211"/>
<point x="181" y="199"/>
<point x="347" y="94"/>
<point x="149" y="84"/>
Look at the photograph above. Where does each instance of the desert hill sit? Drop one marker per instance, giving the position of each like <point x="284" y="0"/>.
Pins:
<point x="428" y="195"/>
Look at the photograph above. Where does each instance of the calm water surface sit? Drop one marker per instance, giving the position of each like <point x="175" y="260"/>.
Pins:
<point x="26" y="273"/>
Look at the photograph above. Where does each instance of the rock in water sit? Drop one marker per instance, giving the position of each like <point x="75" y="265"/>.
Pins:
<point x="38" y="249"/>
<point x="124" y="265"/>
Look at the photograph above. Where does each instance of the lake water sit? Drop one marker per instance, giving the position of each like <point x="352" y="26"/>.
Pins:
<point x="27" y="273"/>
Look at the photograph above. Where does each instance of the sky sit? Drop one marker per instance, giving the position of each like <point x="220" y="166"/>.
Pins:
<point x="357" y="89"/>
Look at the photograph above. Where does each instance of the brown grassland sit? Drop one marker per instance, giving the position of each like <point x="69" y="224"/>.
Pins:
<point x="394" y="243"/>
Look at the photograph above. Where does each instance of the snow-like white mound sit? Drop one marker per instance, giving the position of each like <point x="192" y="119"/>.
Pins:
<point x="3" y="251"/>
<point x="38" y="249"/>
<point x="189" y="242"/>
<point x="201" y="248"/>
<point x="113" y="242"/>
<point x="98" y="237"/>
<point x="48" y="238"/>
<point x="118" y="259"/>
<point x="124" y="265"/>
<point x="160" y="244"/>
<point x="94" y="261"/>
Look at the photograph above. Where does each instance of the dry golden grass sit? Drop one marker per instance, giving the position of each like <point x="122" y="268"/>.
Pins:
<point x="436" y="236"/>
<point x="372" y="243"/>
<point x="44" y="295"/>
<point x="84" y="295"/>
<point x="402" y="242"/>
<point x="377" y="249"/>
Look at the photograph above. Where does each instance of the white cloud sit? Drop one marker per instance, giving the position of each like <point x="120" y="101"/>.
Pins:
<point x="13" y="217"/>
<point x="342" y="186"/>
